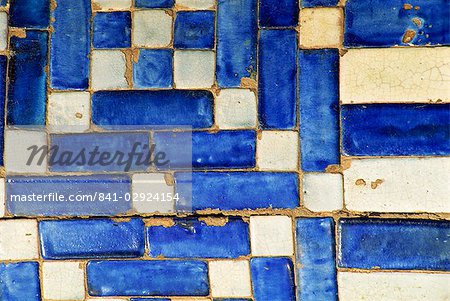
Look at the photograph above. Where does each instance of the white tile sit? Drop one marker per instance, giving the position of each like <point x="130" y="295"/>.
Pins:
<point x="196" y="4"/>
<point x="194" y="69"/>
<point x="112" y="4"/>
<point x="108" y="69"/>
<point x="18" y="239"/>
<point x="321" y="27"/>
<point x="230" y="278"/>
<point x="395" y="75"/>
<point x="63" y="280"/>
<point x="153" y="193"/>
<point x="398" y="185"/>
<point x="17" y="154"/>
<point x="385" y="286"/>
<point x="2" y="197"/>
<point x="271" y="236"/>
<point x="235" y="108"/>
<point x="323" y="191"/>
<point x="68" y="111"/>
<point x="3" y="30"/>
<point x="152" y="28"/>
<point x="277" y="150"/>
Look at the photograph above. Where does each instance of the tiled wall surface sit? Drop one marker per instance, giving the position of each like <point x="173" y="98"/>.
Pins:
<point x="317" y="167"/>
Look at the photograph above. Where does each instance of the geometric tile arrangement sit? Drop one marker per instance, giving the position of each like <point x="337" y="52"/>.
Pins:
<point x="311" y="159"/>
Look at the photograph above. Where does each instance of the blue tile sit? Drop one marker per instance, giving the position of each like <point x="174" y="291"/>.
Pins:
<point x="318" y="3"/>
<point x="27" y="79"/>
<point x="3" y="64"/>
<point x="74" y="152"/>
<point x="396" y="129"/>
<point x="149" y="299"/>
<point x="232" y="299"/>
<point x="316" y="252"/>
<point x="377" y="23"/>
<point x="112" y="30"/>
<point x="277" y="81"/>
<point x="154" y="3"/>
<point x="19" y="281"/>
<point x="194" y="30"/>
<point x="153" y="69"/>
<point x="148" y="278"/>
<point x="60" y="193"/>
<point x="3" y="2"/>
<point x="96" y="238"/>
<point x="29" y="13"/>
<point x="278" y="13"/>
<point x="319" y="108"/>
<point x="153" y="108"/>
<point x="394" y="244"/>
<point x="272" y="279"/>
<point x="70" y="45"/>
<point x="236" y="190"/>
<point x="191" y="238"/>
<point x="236" y="41"/>
<point x="224" y="149"/>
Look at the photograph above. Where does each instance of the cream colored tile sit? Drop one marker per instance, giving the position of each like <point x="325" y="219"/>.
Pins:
<point x="271" y="236"/>
<point x="63" y="280"/>
<point x="230" y="278"/>
<point x="196" y="4"/>
<point x="108" y="69"/>
<point x="235" y="108"/>
<point x="3" y="30"/>
<point x="321" y="27"/>
<point x="323" y="191"/>
<point x="20" y="159"/>
<point x="18" y="239"/>
<point x="152" y="186"/>
<point x="194" y="69"/>
<point x="277" y="150"/>
<point x="69" y="111"/>
<point x="152" y="28"/>
<point x="112" y="4"/>
<point x="2" y="198"/>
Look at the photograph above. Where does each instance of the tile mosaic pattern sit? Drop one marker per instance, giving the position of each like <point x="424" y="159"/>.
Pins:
<point x="317" y="167"/>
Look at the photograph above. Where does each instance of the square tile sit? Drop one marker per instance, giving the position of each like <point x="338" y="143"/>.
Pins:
<point x="271" y="236"/>
<point x="108" y="69"/>
<point x="323" y="191"/>
<point x="153" y="69"/>
<point x="236" y="108"/>
<point x="18" y="239"/>
<point x="63" y="280"/>
<point x="68" y="111"/>
<point x="152" y="193"/>
<point x="111" y="4"/>
<point x="194" y="69"/>
<point x="152" y="28"/>
<point x="112" y="30"/>
<point x="278" y="150"/>
<point x="321" y="27"/>
<point x="230" y="278"/>
<point x="194" y="30"/>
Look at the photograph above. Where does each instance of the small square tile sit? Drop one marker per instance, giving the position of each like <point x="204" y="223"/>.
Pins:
<point x="68" y="111"/>
<point x="18" y="239"/>
<point x="152" y="193"/>
<point x="154" y="3"/>
<point x="17" y="154"/>
<point x="108" y="69"/>
<point x="321" y="27"/>
<point x="153" y="69"/>
<point x="323" y="191"/>
<point x="194" y="69"/>
<point x="278" y="150"/>
<point x="271" y="236"/>
<point x="3" y="30"/>
<point x="152" y="28"/>
<point x="230" y="278"/>
<point x="236" y="108"/>
<point x="195" y="4"/>
<point x="63" y="280"/>
<point x="111" y="4"/>
<point x="112" y="30"/>
<point x="278" y="13"/>
<point x="194" y="30"/>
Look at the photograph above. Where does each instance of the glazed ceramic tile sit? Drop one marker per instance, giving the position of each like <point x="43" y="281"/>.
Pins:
<point x="321" y="27"/>
<point x="63" y="280"/>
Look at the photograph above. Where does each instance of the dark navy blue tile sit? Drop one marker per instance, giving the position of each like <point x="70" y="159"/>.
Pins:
<point x="112" y="30"/>
<point x="153" y="108"/>
<point x="60" y="195"/>
<point x="315" y="252"/>
<point x="319" y="108"/>
<point x="3" y="64"/>
<point x="70" y="45"/>
<point x="147" y="278"/>
<point x="19" y="281"/>
<point x="394" y="244"/>
<point x="377" y="23"/>
<point x="73" y="152"/>
<point x="95" y="238"/>
<point x="3" y="2"/>
<point x="277" y="89"/>
<point x="27" y="79"/>
<point x="236" y="41"/>
<point x="236" y="190"/>
<point x="278" y="13"/>
<point x="154" y="3"/>
<point x="272" y="279"/>
<point x="191" y="238"/>
<point x="396" y="129"/>
<point x="29" y="13"/>
<point x="153" y="69"/>
<point x="318" y="3"/>
<point x="224" y="149"/>
<point x="194" y="30"/>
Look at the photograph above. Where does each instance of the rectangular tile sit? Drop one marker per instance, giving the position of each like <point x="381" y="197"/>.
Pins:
<point x="29" y="13"/>
<point x="319" y="108"/>
<point x="277" y="89"/>
<point x="20" y="281"/>
<point x="394" y="244"/>
<point x="236" y="190"/>
<point x="383" y="286"/>
<point x="406" y="75"/>
<point x="153" y="108"/>
<point x="3" y="64"/>
<point x="27" y="79"/>
<point x="67" y="195"/>
<point x="70" y="45"/>
<point x="316" y="274"/>
<point x="398" y="185"/>
<point x="395" y="130"/>
<point x="236" y="41"/>
<point x="147" y="278"/>
<point x="276" y="13"/>
<point x="95" y="238"/>
<point x="193" y="238"/>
